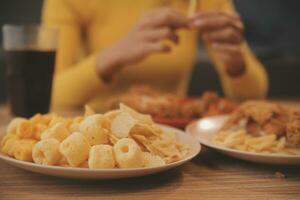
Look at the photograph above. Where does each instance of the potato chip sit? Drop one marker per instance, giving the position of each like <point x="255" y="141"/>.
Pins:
<point x="144" y="129"/>
<point x="113" y="139"/>
<point x="122" y="124"/>
<point x="140" y="139"/>
<point x="12" y="126"/>
<point x="151" y="160"/>
<point x="142" y="118"/>
<point x="112" y="114"/>
<point x="88" y="111"/>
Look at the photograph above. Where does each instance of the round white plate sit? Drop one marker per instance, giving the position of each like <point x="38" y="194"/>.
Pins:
<point x="84" y="173"/>
<point x="204" y="129"/>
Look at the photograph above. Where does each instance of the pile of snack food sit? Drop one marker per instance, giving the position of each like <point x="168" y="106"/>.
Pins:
<point x="121" y="138"/>
<point x="166" y="105"/>
<point x="262" y="127"/>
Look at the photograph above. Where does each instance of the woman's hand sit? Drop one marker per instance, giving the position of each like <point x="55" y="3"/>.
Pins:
<point x="145" y="39"/>
<point x="224" y="33"/>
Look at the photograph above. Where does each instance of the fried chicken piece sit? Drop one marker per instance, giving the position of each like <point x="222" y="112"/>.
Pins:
<point x="252" y="127"/>
<point x="293" y="129"/>
<point x="166" y="105"/>
<point x="193" y="109"/>
<point x="261" y="118"/>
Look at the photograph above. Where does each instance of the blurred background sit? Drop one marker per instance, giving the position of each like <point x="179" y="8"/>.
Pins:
<point x="272" y="30"/>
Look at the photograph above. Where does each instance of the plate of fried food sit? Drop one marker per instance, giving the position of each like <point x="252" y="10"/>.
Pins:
<point x="117" y="144"/>
<point x="170" y="109"/>
<point x="258" y="131"/>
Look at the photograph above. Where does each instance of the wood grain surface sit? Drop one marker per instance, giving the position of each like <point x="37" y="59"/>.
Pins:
<point x="209" y="176"/>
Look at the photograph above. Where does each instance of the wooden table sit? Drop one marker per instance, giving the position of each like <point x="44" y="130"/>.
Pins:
<point x="209" y="176"/>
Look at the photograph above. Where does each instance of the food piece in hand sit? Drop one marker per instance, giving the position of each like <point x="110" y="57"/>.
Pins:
<point x="101" y="157"/>
<point x="122" y="124"/>
<point x="23" y="149"/>
<point x="128" y="153"/>
<point x="293" y="129"/>
<point x="152" y="160"/>
<point x="13" y="125"/>
<point x="58" y="131"/>
<point x="75" y="149"/>
<point x="46" y="152"/>
<point x="95" y="129"/>
<point x="8" y="143"/>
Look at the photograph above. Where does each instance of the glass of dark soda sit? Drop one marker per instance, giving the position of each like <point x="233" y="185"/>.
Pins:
<point x="30" y="59"/>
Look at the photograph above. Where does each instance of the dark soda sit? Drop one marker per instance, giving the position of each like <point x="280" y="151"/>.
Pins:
<point x="29" y="75"/>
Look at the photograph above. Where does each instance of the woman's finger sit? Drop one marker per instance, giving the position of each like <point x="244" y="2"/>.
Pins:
<point x="165" y="17"/>
<point x="160" y="34"/>
<point x="232" y="49"/>
<point x="214" y="23"/>
<point x="227" y="35"/>
<point x="155" y="48"/>
<point x="215" y="13"/>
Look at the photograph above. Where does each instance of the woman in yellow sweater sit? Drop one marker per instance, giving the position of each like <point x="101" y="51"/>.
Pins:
<point x="107" y="46"/>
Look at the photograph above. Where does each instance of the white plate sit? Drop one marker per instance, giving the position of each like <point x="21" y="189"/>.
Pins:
<point x="83" y="173"/>
<point x="204" y="129"/>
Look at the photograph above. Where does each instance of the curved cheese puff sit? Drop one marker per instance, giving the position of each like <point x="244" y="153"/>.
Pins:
<point x="25" y="130"/>
<point x="74" y="127"/>
<point x="12" y="126"/>
<point x="66" y="121"/>
<point x="63" y="162"/>
<point x="128" y="154"/>
<point x="95" y="129"/>
<point x="101" y="157"/>
<point x="75" y="149"/>
<point x="23" y="149"/>
<point x="8" y="144"/>
<point x="46" y="152"/>
<point x="38" y="130"/>
<point x="57" y="131"/>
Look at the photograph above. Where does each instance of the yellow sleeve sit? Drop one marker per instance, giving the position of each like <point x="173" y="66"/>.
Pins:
<point x="254" y="83"/>
<point x="75" y="80"/>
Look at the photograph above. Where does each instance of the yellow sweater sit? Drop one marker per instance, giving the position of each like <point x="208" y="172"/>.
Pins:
<point x="87" y="27"/>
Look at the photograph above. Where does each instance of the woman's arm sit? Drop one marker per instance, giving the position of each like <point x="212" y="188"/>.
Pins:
<point x="242" y="75"/>
<point x="75" y="80"/>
